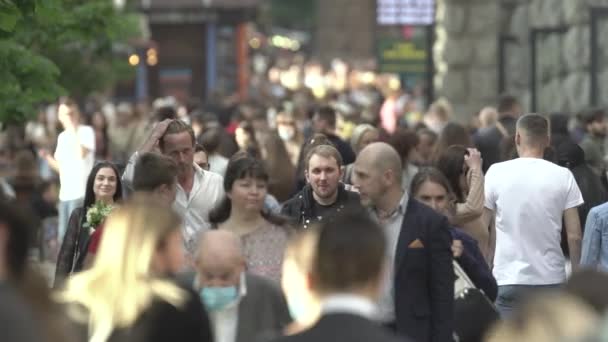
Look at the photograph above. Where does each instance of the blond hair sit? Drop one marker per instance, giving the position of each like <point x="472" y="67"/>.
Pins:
<point x="547" y="318"/>
<point x="121" y="285"/>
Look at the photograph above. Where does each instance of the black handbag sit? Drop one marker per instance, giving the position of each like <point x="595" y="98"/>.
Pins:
<point x="474" y="313"/>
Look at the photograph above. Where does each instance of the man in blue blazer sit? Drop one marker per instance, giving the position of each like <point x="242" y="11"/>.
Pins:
<point x="418" y="295"/>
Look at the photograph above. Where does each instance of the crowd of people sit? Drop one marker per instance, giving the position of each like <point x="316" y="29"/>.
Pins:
<point x="260" y="221"/>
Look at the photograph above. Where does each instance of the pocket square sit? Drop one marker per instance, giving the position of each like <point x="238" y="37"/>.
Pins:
<point x="416" y="244"/>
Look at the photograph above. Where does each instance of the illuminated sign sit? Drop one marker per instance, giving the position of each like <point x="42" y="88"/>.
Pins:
<point x="405" y="12"/>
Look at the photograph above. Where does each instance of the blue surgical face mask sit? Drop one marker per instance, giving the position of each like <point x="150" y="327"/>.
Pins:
<point x="217" y="298"/>
<point x="298" y="308"/>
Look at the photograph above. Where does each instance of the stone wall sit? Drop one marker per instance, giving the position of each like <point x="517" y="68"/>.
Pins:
<point x="465" y="54"/>
<point x="345" y="29"/>
<point x="563" y="72"/>
<point x="469" y="33"/>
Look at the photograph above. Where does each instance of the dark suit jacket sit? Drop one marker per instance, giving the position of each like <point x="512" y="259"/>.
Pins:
<point x="343" y="327"/>
<point x="263" y="311"/>
<point x="424" y="276"/>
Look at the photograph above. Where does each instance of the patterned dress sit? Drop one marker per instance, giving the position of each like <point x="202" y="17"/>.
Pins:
<point x="264" y="249"/>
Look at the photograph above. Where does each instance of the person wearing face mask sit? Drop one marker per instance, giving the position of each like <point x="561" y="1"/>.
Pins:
<point x="242" y="306"/>
<point x="289" y="133"/>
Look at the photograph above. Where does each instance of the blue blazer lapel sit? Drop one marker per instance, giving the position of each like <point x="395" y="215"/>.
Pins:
<point x="408" y="233"/>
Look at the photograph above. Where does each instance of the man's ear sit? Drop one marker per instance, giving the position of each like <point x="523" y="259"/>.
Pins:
<point x="306" y="176"/>
<point x="309" y="282"/>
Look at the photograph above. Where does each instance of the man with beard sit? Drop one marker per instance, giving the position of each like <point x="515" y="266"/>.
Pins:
<point x="324" y="196"/>
<point x="593" y="142"/>
<point x="198" y="191"/>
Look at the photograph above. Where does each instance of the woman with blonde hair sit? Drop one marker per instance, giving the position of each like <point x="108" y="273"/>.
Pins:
<point x="125" y="295"/>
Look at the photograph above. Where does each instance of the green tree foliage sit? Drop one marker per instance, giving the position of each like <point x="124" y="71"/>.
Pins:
<point x="50" y="48"/>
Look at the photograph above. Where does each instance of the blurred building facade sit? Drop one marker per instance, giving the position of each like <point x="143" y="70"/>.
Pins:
<point x="199" y="45"/>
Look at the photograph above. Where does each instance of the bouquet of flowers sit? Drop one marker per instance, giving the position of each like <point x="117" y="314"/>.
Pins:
<point x="97" y="214"/>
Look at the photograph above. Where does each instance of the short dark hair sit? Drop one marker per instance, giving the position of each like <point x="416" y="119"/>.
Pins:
<point x="153" y="170"/>
<point x="164" y="113"/>
<point x="404" y="141"/>
<point x="350" y="252"/>
<point x="506" y="103"/>
<point x="535" y="126"/>
<point x="176" y="126"/>
<point x="199" y="148"/>
<point x="325" y="151"/>
<point x="328" y="114"/>
<point x="210" y="139"/>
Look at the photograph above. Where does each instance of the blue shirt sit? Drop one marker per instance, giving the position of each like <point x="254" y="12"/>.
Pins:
<point x="595" y="239"/>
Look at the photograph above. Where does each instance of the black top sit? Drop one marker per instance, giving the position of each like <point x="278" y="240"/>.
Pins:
<point x="304" y="210"/>
<point x="163" y="322"/>
<point x="488" y="141"/>
<point x="73" y="248"/>
<point x="16" y="319"/>
<point x="339" y="327"/>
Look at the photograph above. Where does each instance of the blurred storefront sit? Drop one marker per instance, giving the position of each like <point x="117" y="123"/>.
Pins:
<point x="196" y="47"/>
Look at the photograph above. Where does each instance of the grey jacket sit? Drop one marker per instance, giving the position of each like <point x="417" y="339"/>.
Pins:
<point x="262" y="311"/>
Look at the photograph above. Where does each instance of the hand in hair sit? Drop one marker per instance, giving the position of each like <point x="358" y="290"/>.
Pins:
<point x="157" y="133"/>
<point x="473" y="158"/>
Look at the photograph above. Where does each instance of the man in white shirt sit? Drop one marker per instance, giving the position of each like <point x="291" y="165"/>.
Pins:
<point x="528" y="197"/>
<point x="198" y="191"/>
<point x="73" y="160"/>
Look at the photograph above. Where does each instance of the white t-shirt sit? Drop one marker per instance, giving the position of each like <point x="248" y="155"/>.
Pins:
<point x="73" y="168"/>
<point x="529" y="196"/>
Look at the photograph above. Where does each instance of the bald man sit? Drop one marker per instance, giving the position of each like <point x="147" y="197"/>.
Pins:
<point x="418" y="294"/>
<point x="242" y="306"/>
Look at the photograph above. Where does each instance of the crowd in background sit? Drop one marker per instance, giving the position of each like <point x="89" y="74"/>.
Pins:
<point x="272" y="193"/>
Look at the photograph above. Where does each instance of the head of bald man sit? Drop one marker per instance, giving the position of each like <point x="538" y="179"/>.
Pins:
<point x="220" y="259"/>
<point x="378" y="170"/>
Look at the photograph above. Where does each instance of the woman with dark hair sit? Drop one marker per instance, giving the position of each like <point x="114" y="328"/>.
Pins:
<point x="103" y="185"/>
<point x="246" y="140"/>
<point x="405" y="141"/>
<point x="462" y="168"/>
<point x="264" y="235"/>
<point x="432" y="188"/>
<point x="102" y="142"/>
<point x="278" y="164"/>
<point x="452" y="134"/>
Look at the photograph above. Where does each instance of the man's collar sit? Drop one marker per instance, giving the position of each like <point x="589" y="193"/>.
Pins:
<point x="348" y="303"/>
<point x="400" y="209"/>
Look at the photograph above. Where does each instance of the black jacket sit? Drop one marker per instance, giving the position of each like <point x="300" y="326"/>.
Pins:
<point x="424" y="276"/>
<point x="300" y="208"/>
<point x="337" y="327"/>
